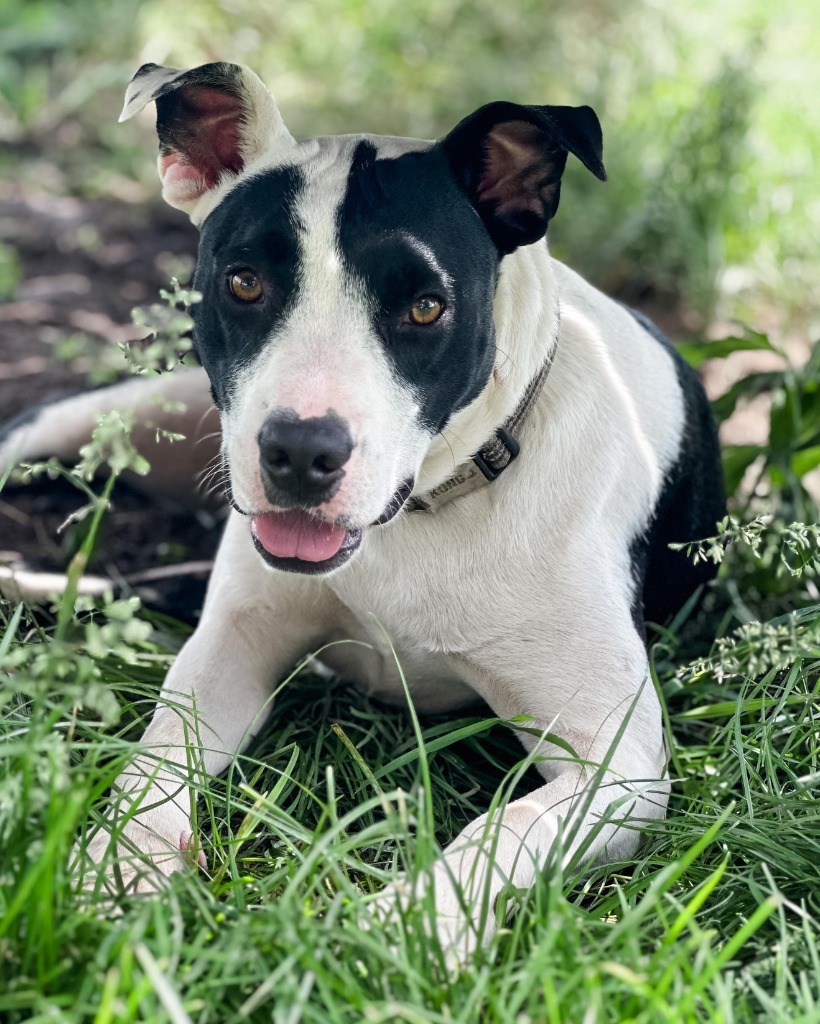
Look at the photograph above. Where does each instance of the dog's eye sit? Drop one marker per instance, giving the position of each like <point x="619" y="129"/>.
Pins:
<point x="245" y="286"/>
<point x="426" y="310"/>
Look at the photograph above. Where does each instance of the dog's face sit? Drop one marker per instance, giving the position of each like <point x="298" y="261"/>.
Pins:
<point x="348" y="287"/>
<point x="347" y="315"/>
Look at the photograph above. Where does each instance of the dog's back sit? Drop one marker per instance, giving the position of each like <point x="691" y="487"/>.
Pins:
<point x="690" y="505"/>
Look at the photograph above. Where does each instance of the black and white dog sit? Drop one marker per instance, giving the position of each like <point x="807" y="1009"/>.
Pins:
<point x="384" y="331"/>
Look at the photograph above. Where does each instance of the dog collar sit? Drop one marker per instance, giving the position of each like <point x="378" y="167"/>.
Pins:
<point x="491" y="459"/>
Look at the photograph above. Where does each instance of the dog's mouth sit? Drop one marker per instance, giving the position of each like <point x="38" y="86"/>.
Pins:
<point x="297" y="541"/>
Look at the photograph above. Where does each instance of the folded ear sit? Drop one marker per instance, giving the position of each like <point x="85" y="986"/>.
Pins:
<point x="509" y="160"/>
<point x="211" y="121"/>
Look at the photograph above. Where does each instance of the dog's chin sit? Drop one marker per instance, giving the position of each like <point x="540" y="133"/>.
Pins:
<point x="298" y="541"/>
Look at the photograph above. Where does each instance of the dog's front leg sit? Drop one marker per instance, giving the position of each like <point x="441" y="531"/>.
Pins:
<point x="592" y="805"/>
<point x="254" y="626"/>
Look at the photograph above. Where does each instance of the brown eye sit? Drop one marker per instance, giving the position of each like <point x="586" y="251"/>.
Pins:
<point x="426" y="310"/>
<point x="245" y="286"/>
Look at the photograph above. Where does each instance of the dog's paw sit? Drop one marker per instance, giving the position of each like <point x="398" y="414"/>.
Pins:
<point x="141" y="855"/>
<point x="436" y="904"/>
<point x="458" y="899"/>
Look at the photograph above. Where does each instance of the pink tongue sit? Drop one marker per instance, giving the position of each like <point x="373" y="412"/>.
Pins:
<point x="297" y="535"/>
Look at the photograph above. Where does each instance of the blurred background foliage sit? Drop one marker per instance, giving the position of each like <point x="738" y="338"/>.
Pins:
<point x="710" y="115"/>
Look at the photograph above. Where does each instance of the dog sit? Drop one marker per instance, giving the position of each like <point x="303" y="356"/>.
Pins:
<point x="437" y="440"/>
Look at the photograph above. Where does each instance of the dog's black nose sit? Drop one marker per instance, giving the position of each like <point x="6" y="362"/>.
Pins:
<point x="302" y="459"/>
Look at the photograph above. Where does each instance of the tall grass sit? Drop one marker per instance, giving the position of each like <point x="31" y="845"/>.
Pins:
<point x="716" y="919"/>
<point x="710" y="123"/>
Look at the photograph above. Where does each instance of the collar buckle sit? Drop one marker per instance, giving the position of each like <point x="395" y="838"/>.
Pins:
<point x="496" y="456"/>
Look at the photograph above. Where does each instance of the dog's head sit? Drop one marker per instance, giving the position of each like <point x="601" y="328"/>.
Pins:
<point x="348" y="287"/>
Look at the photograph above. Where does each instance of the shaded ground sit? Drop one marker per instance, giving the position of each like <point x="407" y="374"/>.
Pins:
<point x="83" y="265"/>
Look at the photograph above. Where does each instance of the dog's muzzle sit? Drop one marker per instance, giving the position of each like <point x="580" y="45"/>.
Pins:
<point x="301" y="465"/>
<point x="297" y="540"/>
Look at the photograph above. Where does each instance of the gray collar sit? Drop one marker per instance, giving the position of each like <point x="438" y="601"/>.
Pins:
<point x="491" y="459"/>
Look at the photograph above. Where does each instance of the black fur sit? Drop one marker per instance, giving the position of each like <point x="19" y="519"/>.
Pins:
<point x="530" y="196"/>
<point x="253" y="228"/>
<point x="690" y="505"/>
<point x="388" y="204"/>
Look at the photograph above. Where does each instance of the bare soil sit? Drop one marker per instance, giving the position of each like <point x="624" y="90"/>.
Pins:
<point x="83" y="266"/>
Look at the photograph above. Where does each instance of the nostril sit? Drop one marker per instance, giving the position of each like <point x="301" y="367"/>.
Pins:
<point x="278" y="460"/>
<point x="327" y="464"/>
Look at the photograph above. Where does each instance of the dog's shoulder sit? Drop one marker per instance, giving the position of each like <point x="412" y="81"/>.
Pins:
<point x="613" y="400"/>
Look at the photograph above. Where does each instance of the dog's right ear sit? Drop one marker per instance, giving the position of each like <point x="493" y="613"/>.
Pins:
<point x="211" y="121"/>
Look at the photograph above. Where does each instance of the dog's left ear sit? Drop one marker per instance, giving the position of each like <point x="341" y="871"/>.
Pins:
<point x="211" y="122"/>
<point x="509" y="159"/>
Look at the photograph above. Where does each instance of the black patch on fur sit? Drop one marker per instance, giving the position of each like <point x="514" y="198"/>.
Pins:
<point x="517" y="196"/>
<point x="389" y="203"/>
<point x="690" y="504"/>
<point x="251" y="228"/>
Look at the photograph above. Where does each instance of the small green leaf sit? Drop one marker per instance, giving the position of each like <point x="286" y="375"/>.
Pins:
<point x="697" y="352"/>
<point x="806" y="460"/>
<point x="746" y="388"/>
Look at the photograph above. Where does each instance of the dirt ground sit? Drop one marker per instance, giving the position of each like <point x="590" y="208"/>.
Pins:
<point x="83" y="266"/>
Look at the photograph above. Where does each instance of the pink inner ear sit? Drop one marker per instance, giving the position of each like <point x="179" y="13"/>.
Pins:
<point x="514" y="167"/>
<point x="205" y="141"/>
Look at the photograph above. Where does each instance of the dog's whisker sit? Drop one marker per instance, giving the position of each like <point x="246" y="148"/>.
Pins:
<point x="210" y="473"/>
<point x="207" y="479"/>
<point x="447" y="442"/>
<point x="208" y="412"/>
<point x="213" y="465"/>
<point x="215" y="479"/>
<point x="507" y="358"/>
<point x="208" y="486"/>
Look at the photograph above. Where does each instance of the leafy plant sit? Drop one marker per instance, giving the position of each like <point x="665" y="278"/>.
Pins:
<point x="168" y="328"/>
<point x="770" y="545"/>
<point x="793" y="448"/>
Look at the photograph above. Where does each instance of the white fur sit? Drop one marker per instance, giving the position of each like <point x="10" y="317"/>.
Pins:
<point x="179" y="403"/>
<point x="491" y="597"/>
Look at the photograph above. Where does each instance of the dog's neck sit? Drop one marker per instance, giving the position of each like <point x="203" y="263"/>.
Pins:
<point x="526" y="322"/>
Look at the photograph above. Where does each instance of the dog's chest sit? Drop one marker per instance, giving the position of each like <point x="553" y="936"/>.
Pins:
<point x="443" y="583"/>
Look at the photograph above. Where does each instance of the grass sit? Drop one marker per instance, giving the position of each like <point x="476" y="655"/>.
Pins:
<point x="716" y="919"/>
